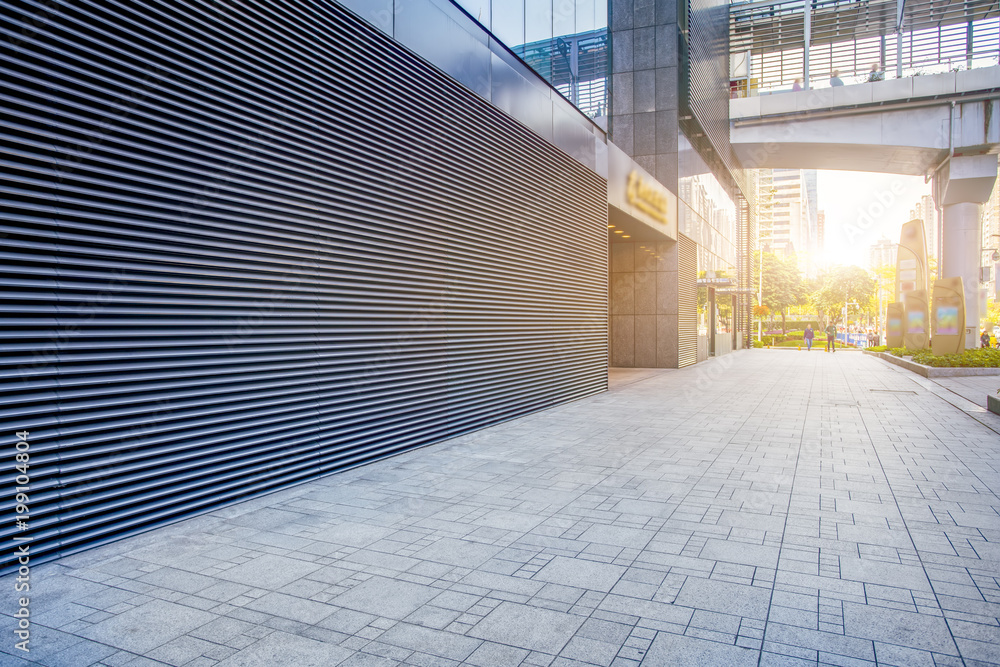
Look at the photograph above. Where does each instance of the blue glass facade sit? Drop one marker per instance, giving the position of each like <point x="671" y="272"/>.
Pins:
<point x="565" y="41"/>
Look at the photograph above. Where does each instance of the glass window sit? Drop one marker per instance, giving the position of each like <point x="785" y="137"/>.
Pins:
<point x="508" y="22"/>
<point x="563" y="18"/>
<point x="537" y="20"/>
<point x="479" y="10"/>
<point x="564" y="41"/>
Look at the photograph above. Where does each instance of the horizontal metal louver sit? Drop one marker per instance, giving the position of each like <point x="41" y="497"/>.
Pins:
<point x="687" y="301"/>
<point x="252" y="243"/>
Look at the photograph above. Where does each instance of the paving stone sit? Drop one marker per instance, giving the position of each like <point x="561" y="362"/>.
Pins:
<point x="527" y="627"/>
<point x="390" y="598"/>
<point x="911" y="577"/>
<point x="280" y="648"/>
<point x="295" y="608"/>
<point x="578" y="573"/>
<point x="621" y="536"/>
<point x="491" y="654"/>
<point x="458" y="552"/>
<point x="814" y="642"/>
<point x="901" y="628"/>
<point x="353" y="534"/>
<point x="269" y="571"/>
<point x="725" y="597"/>
<point x="428" y="640"/>
<point x="671" y="649"/>
<point x="733" y="551"/>
<point x="147" y="626"/>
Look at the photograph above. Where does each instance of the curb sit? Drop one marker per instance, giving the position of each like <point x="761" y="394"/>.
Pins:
<point x="933" y="371"/>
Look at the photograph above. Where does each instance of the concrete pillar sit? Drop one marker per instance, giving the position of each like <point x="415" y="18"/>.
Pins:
<point x="960" y="258"/>
<point x="961" y="186"/>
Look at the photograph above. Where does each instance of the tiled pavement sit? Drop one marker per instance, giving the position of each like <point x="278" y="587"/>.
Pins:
<point x="764" y="508"/>
<point x="972" y="388"/>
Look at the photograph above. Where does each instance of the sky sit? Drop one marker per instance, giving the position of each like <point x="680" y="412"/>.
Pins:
<point x="861" y="208"/>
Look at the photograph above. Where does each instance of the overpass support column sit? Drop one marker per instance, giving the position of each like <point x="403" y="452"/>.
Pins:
<point x="960" y="188"/>
<point x="960" y="250"/>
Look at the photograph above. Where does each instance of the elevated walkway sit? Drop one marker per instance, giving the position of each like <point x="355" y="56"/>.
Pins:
<point x="903" y="126"/>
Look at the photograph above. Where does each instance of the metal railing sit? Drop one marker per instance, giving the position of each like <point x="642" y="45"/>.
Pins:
<point x="576" y="65"/>
<point x="920" y="37"/>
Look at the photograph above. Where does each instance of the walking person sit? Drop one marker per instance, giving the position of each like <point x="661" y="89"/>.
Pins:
<point x="831" y="338"/>
<point x="835" y="79"/>
<point x="984" y="339"/>
<point x="808" y="336"/>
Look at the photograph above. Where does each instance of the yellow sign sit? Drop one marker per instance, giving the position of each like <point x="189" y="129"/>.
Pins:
<point x="647" y="197"/>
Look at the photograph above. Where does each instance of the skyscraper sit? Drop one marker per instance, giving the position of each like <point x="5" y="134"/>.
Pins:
<point x="793" y="232"/>
<point x="820" y="231"/>
<point x="926" y="210"/>
<point x="882" y="253"/>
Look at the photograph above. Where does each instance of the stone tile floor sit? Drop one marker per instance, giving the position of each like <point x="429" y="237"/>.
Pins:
<point x="972" y="388"/>
<point x="764" y="508"/>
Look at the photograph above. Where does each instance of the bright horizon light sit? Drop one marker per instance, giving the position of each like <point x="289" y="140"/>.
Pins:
<point x="861" y="208"/>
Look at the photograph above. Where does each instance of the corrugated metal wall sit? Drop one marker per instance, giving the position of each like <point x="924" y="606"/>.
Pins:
<point x="250" y="244"/>
<point x="708" y="92"/>
<point x="687" y="301"/>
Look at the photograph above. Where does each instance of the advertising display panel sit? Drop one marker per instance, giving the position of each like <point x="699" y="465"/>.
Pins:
<point x="948" y="313"/>
<point x="911" y="259"/>
<point x="894" y="325"/>
<point x="916" y="321"/>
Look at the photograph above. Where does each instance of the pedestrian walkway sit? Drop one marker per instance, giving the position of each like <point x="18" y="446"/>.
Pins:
<point x="764" y="508"/>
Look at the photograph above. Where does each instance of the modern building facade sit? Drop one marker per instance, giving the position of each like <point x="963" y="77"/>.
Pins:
<point x="670" y="113"/>
<point x="795" y="226"/>
<point x="252" y="245"/>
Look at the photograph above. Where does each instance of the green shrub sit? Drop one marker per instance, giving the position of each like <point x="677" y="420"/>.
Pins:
<point x="878" y="348"/>
<point x="758" y="343"/>
<point x="978" y="358"/>
<point x="898" y="351"/>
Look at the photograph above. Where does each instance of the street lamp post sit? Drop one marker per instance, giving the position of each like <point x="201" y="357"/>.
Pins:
<point x="760" y="294"/>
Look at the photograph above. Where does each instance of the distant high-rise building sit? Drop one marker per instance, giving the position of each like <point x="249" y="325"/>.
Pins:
<point x="926" y="211"/>
<point x="882" y="253"/>
<point x="765" y="216"/>
<point x="795" y="220"/>
<point x="991" y="241"/>
<point x="820" y="231"/>
<point x="811" y="180"/>
<point x="786" y="210"/>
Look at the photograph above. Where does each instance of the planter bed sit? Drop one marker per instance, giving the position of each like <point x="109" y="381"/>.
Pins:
<point x="933" y="371"/>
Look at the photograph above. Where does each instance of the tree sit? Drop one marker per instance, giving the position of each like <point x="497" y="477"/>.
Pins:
<point x="843" y="285"/>
<point x="783" y="284"/>
<point x="885" y="282"/>
<point x="993" y="313"/>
